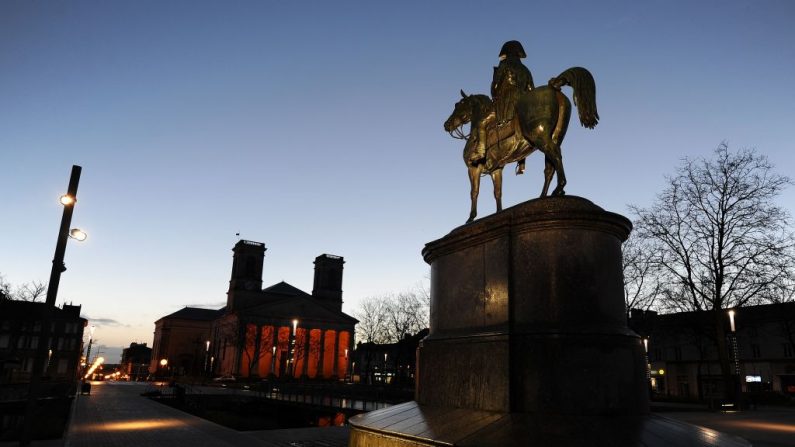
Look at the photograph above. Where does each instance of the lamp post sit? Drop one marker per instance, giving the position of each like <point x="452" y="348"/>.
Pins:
<point x="68" y="201"/>
<point x="206" y="356"/>
<point x="735" y="354"/>
<point x="292" y="347"/>
<point x="164" y="365"/>
<point x="273" y="361"/>
<point x="88" y="348"/>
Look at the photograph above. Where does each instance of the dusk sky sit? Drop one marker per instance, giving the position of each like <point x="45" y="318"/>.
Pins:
<point x="316" y="127"/>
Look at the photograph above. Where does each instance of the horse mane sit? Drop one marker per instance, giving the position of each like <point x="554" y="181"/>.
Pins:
<point x="482" y="105"/>
<point x="584" y="87"/>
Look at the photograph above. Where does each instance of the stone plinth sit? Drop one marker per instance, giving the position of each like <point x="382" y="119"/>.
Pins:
<point x="528" y="343"/>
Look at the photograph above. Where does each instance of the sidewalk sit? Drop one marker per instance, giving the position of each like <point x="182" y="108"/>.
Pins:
<point x="115" y="415"/>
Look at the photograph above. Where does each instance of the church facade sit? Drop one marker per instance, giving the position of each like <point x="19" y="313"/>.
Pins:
<point x="281" y="330"/>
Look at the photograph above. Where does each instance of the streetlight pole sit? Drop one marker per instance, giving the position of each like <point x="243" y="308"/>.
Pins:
<point x="58" y="267"/>
<point x="735" y="354"/>
<point x="206" y="357"/>
<point x="292" y="348"/>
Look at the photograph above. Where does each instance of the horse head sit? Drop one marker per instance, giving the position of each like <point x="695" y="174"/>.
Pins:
<point x="462" y="114"/>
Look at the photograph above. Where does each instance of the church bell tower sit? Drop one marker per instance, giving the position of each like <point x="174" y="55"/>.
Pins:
<point x="328" y="281"/>
<point x="246" y="281"/>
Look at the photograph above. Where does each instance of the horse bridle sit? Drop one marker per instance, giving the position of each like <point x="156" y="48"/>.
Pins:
<point x="458" y="132"/>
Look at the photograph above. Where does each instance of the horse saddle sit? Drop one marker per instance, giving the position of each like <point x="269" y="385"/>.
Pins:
<point x="495" y="133"/>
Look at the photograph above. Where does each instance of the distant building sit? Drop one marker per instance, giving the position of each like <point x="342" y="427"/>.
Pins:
<point x="683" y="357"/>
<point x="280" y="330"/>
<point x="181" y="341"/>
<point x="135" y="361"/>
<point x="387" y="363"/>
<point x="20" y="335"/>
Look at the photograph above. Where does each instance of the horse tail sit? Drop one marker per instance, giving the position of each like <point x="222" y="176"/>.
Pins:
<point x="584" y="87"/>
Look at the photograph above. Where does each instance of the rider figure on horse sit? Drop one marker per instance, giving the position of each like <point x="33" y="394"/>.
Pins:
<point x="511" y="80"/>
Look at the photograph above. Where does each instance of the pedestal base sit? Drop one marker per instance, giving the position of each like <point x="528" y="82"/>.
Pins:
<point x="414" y="425"/>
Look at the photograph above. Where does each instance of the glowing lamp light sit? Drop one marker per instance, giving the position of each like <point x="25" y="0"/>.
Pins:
<point x="662" y="372"/>
<point x="295" y="325"/>
<point x="77" y="234"/>
<point x="731" y="319"/>
<point x="163" y="362"/>
<point x="67" y="200"/>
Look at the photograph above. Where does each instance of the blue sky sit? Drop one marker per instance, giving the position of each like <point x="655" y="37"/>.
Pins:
<point x="316" y="127"/>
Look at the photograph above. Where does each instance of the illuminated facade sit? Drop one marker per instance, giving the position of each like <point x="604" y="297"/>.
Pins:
<point x="281" y="330"/>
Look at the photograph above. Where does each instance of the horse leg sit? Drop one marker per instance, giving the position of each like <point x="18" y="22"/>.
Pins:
<point x="496" y="178"/>
<point x="474" y="184"/>
<point x="557" y="160"/>
<point x="549" y="170"/>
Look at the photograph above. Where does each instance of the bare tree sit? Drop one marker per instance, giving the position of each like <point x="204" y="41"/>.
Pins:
<point x="29" y="291"/>
<point x="388" y="318"/>
<point x="5" y="288"/>
<point x="405" y="315"/>
<point x="372" y="320"/>
<point x="717" y="237"/>
<point x="640" y="289"/>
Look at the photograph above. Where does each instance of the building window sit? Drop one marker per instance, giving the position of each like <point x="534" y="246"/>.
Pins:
<point x="656" y="354"/>
<point x="5" y="325"/>
<point x="5" y="340"/>
<point x="755" y="351"/>
<point x="63" y="364"/>
<point x="787" y="349"/>
<point x="678" y="353"/>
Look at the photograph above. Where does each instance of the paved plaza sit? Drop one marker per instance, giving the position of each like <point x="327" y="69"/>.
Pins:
<point x="765" y="427"/>
<point x="115" y="415"/>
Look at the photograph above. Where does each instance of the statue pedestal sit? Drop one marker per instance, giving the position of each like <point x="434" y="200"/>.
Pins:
<point x="529" y="343"/>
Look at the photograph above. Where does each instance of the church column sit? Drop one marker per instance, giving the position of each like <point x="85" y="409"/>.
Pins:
<point x="239" y="346"/>
<point x="307" y="353"/>
<point x="349" y="360"/>
<point x="336" y="352"/>
<point x="322" y="353"/>
<point x="275" y="344"/>
<point x="253" y="369"/>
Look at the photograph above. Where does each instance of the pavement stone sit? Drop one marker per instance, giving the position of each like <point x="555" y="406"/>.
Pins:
<point x="115" y="415"/>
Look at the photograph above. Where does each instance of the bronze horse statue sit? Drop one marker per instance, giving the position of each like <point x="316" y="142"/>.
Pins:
<point x="540" y="122"/>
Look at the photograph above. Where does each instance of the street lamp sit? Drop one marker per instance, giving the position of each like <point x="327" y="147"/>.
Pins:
<point x="77" y="234"/>
<point x="292" y="347"/>
<point x="68" y="201"/>
<point x="206" y="355"/>
<point x="273" y="361"/>
<point x="735" y="354"/>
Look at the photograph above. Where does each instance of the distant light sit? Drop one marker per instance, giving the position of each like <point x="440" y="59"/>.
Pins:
<point x="67" y="200"/>
<point x="662" y="372"/>
<point x="163" y="362"/>
<point x="77" y="234"/>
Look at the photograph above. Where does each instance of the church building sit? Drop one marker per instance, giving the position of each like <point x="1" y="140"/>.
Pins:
<point x="281" y="330"/>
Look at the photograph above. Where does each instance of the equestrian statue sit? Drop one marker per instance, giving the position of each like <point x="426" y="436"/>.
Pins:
<point x="518" y="119"/>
